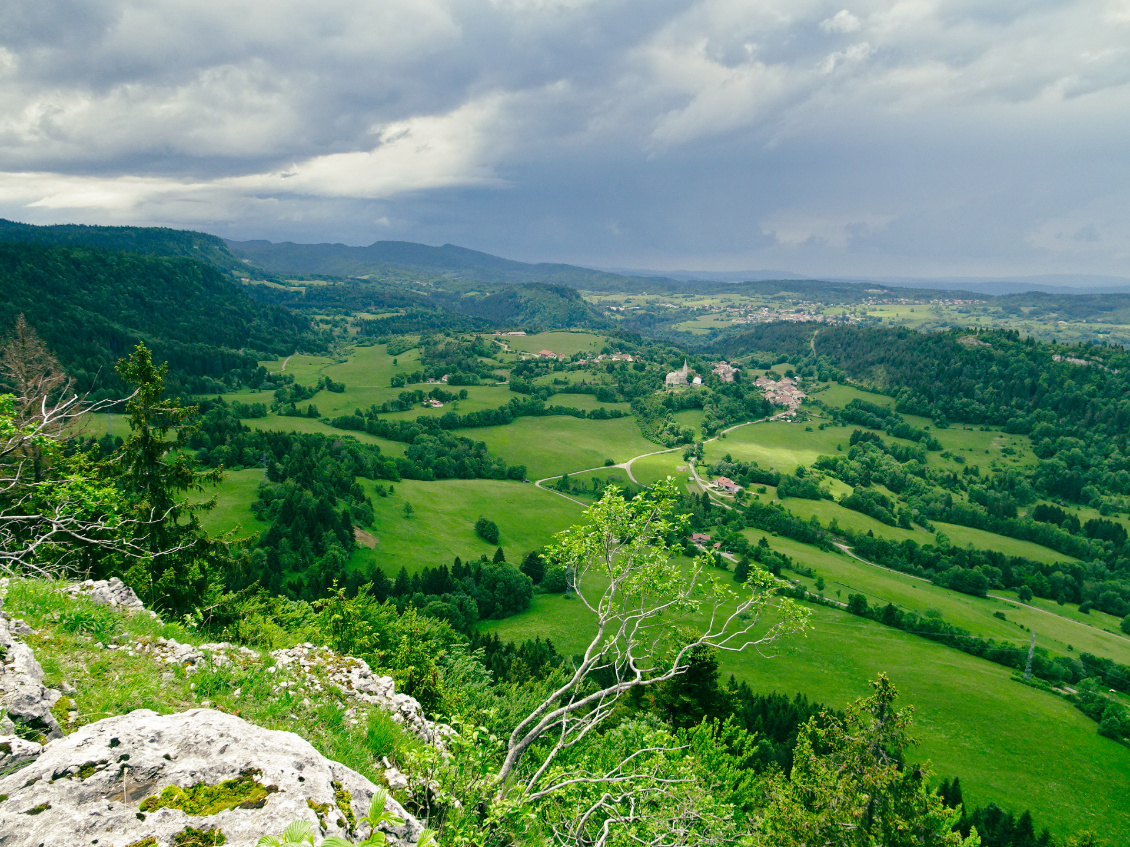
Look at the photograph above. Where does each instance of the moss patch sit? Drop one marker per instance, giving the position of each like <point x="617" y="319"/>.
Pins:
<point x="35" y="810"/>
<point x="149" y="841"/>
<point x="246" y="792"/>
<point x="344" y="801"/>
<point x="322" y="810"/>
<point x="189" y="837"/>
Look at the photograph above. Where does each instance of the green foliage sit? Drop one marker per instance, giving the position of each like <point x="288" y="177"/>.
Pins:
<point x="487" y="530"/>
<point x="244" y="792"/>
<point x="191" y="837"/>
<point x="193" y="317"/>
<point x="849" y="786"/>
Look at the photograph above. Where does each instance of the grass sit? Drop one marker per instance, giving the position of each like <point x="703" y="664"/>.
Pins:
<point x="115" y="682"/>
<point x="826" y="511"/>
<point x="650" y="469"/>
<point x="561" y="343"/>
<point x="777" y="444"/>
<point x="232" y="511"/>
<point x="1017" y="746"/>
<point x="1060" y="635"/>
<point x="964" y="536"/>
<point x="553" y="445"/>
<point x="441" y="526"/>
<point x="275" y="423"/>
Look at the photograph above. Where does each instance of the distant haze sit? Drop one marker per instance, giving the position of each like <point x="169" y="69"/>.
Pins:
<point x="878" y="139"/>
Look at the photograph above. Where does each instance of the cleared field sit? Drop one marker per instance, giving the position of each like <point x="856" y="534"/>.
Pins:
<point x="584" y="401"/>
<point x="372" y="367"/>
<point x="305" y="369"/>
<point x="692" y="418"/>
<point x="777" y="444"/>
<point x="275" y="423"/>
<point x="963" y="536"/>
<point x="1010" y="744"/>
<point x="650" y="469"/>
<point x="826" y="511"/>
<point x="555" y="444"/>
<point x="442" y="523"/>
<point x="234" y="497"/>
<point x="844" y="575"/>
<point x="561" y="343"/>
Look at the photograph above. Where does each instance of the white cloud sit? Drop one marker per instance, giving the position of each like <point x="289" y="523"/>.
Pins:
<point x="842" y="21"/>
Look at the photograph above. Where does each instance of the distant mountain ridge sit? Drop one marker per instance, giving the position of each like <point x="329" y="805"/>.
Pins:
<point x="147" y="241"/>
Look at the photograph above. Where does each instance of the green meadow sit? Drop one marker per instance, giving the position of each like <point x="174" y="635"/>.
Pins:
<point x="441" y="525"/>
<point x="777" y="444"/>
<point x="844" y="575"/>
<point x="1010" y="744"/>
<point x="557" y="444"/>
<point x="561" y="343"/>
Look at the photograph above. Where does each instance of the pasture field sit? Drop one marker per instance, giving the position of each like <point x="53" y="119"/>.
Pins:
<point x="442" y="523"/>
<point x="306" y="369"/>
<point x="104" y="423"/>
<point x="275" y="423"/>
<point x="650" y="469"/>
<point x="1010" y="744"/>
<point x="557" y="444"/>
<point x="584" y="401"/>
<point x="826" y="511"/>
<point x="844" y="575"/>
<point x="692" y="418"/>
<point x="234" y="497"/>
<point x="372" y="367"/>
<point x="561" y="343"/>
<point x="777" y="444"/>
<point x="1093" y="619"/>
<point x="964" y="536"/>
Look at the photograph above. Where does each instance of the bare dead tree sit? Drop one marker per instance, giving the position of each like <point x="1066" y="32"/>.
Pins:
<point x="649" y="616"/>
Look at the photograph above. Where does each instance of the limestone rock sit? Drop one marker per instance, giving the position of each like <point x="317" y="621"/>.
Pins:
<point x="90" y="786"/>
<point x="109" y="592"/>
<point x="354" y="677"/>
<point x="23" y="696"/>
<point x="14" y="751"/>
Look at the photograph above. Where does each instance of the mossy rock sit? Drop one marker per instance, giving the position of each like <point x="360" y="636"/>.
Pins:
<point x="189" y="837"/>
<point x="245" y="792"/>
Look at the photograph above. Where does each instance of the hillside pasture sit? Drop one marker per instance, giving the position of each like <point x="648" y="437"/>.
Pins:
<point x="442" y="523"/>
<point x="1013" y="745"/>
<point x="557" y="444"/>
<point x="562" y="343"/>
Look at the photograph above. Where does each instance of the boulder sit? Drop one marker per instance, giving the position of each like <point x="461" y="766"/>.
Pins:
<point x="109" y="784"/>
<point x="24" y="699"/>
<point x="109" y="592"/>
<point x="354" y="678"/>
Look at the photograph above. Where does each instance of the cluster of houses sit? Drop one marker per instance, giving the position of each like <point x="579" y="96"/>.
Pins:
<point x="512" y="334"/>
<point x="443" y="379"/>
<point x="701" y="539"/>
<point x="683" y="376"/>
<point x="784" y="392"/>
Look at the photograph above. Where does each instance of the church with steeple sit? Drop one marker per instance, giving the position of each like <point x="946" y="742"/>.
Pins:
<point x="679" y="377"/>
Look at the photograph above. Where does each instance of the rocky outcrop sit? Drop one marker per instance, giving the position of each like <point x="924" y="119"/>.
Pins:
<point x="145" y="776"/>
<point x="109" y="592"/>
<point x="192" y="658"/>
<point x="24" y="699"/>
<point x="354" y="678"/>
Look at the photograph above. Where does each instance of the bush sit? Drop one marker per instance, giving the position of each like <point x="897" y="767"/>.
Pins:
<point x="487" y="530"/>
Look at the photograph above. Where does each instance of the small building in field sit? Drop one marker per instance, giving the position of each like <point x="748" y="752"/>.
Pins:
<point x="700" y="538"/>
<point x="724" y="483"/>
<point x="546" y="354"/>
<point x="432" y="403"/>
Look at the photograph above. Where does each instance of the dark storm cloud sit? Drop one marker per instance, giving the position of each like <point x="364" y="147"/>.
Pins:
<point x="940" y="136"/>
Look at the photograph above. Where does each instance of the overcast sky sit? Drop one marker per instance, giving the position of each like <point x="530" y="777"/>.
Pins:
<point x="918" y="137"/>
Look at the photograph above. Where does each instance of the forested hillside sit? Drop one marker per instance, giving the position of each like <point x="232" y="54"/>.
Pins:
<point x="148" y="241"/>
<point x="92" y="306"/>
